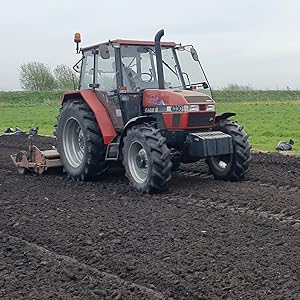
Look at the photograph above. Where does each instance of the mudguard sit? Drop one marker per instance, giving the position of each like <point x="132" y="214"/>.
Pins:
<point x="137" y="120"/>
<point x="224" y="116"/>
<point x="103" y="119"/>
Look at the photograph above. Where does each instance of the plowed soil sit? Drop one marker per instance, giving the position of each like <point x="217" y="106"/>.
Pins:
<point x="203" y="239"/>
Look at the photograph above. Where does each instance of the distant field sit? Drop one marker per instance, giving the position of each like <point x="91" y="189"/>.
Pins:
<point x="29" y="109"/>
<point x="268" y="116"/>
<point x="246" y="96"/>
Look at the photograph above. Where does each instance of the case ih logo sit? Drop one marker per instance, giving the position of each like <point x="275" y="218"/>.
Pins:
<point x="156" y="101"/>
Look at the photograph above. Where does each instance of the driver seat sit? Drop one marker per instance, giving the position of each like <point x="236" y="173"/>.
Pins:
<point x="129" y="81"/>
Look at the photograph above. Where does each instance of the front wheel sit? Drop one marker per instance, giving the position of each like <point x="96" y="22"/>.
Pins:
<point x="146" y="159"/>
<point x="234" y="166"/>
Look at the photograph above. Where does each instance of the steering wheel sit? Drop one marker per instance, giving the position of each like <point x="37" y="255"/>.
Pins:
<point x="139" y="77"/>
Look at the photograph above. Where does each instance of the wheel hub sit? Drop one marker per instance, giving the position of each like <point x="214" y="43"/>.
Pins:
<point x="222" y="163"/>
<point x="141" y="159"/>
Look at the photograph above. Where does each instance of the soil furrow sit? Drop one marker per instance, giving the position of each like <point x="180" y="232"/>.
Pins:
<point x="76" y="271"/>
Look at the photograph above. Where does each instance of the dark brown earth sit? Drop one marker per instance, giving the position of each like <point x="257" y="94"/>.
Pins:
<point x="203" y="239"/>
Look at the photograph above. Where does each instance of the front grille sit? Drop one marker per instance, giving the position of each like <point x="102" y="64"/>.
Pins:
<point x="201" y="119"/>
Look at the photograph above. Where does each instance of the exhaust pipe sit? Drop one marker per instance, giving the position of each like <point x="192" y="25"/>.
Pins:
<point x="159" y="63"/>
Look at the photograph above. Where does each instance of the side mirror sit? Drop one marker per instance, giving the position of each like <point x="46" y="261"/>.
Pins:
<point x="194" y="54"/>
<point x="104" y="51"/>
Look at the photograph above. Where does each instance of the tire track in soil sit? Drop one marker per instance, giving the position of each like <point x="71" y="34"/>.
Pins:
<point x="280" y="217"/>
<point x="283" y="174"/>
<point x="206" y="175"/>
<point x="286" y="212"/>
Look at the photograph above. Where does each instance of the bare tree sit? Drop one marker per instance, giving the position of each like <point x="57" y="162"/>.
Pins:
<point x="65" y="77"/>
<point x="37" y="77"/>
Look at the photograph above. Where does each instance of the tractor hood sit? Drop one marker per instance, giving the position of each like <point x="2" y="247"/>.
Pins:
<point x="173" y="97"/>
<point x="181" y="109"/>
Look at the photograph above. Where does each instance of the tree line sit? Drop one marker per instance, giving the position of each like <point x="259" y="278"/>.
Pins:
<point x="36" y="76"/>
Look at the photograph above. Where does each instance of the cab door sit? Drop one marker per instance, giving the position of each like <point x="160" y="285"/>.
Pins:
<point x="99" y="73"/>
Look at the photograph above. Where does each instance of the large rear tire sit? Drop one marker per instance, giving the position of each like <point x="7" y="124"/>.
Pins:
<point x="146" y="159"/>
<point x="231" y="167"/>
<point x="79" y="141"/>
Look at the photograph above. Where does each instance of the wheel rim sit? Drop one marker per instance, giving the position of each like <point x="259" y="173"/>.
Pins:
<point x="73" y="142"/>
<point x="221" y="163"/>
<point x="138" y="162"/>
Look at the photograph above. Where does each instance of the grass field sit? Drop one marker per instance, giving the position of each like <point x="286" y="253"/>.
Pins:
<point x="29" y="109"/>
<point x="268" y="116"/>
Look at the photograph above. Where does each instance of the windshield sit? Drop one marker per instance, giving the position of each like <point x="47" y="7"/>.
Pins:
<point x="139" y="68"/>
<point x="180" y="69"/>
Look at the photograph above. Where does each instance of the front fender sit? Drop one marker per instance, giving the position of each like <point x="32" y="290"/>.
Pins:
<point x="224" y="116"/>
<point x="136" y="121"/>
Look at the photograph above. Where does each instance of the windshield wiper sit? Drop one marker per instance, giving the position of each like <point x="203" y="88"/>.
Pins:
<point x="169" y="68"/>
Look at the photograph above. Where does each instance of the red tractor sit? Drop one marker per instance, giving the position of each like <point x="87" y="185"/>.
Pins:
<point x="147" y="104"/>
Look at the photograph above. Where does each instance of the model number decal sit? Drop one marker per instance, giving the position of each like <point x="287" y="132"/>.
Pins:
<point x="164" y="108"/>
<point x="151" y="109"/>
<point x="177" y="108"/>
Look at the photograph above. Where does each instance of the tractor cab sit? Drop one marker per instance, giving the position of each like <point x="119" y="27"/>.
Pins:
<point x="130" y="67"/>
<point x="122" y="70"/>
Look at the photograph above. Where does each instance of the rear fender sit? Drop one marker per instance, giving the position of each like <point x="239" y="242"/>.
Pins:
<point x="90" y="98"/>
<point x="224" y="116"/>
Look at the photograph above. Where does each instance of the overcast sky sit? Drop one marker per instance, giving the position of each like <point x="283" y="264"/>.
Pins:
<point x="238" y="41"/>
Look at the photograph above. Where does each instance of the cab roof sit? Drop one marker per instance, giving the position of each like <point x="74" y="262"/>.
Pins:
<point x="142" y="43"/>
<point x="131" y="43"/>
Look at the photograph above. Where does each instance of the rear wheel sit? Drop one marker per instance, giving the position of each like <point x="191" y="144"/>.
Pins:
<point x="146" y="159"/>
<point x="79" y="141"/>
<point x="231" y="167"/>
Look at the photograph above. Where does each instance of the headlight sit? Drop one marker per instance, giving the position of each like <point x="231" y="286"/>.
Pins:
<point x="191" y="108"/>
<point x="211" y="107"/>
